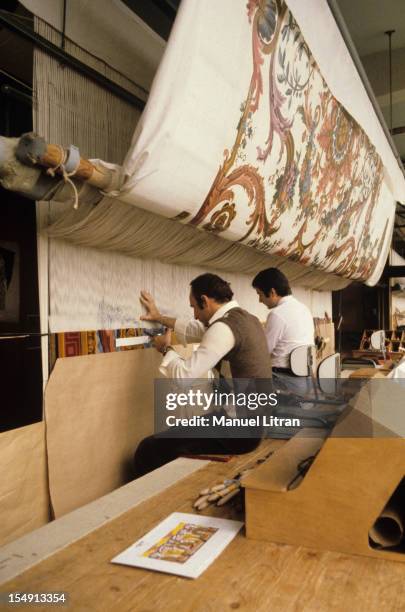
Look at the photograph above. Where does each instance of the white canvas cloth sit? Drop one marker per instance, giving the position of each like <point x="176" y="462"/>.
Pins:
<point x="242" y="137"/>
<point x="323" y="37"/>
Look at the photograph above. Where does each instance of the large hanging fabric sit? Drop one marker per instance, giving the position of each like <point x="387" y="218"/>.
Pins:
<point x="241" y="137"/>
<point x="99" y="257"/>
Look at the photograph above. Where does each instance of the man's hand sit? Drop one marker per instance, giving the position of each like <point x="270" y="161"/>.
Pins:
<point x="152" y="312"/>
<point x="162" y="342"/>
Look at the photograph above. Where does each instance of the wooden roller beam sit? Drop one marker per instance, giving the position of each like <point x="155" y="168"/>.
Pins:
<point x="86" y="171"/>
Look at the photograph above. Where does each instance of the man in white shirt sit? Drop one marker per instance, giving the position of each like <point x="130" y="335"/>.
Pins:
<point x="225" y="332"/>
<point x="289" y="323"/>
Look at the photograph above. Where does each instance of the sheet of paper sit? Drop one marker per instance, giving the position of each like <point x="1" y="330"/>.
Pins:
<point x="182" y="544"/>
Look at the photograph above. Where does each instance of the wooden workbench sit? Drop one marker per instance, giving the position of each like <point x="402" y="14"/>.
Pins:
<point x="249" y="575"/>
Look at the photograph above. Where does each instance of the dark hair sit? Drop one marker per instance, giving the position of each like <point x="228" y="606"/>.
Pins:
<point x="212" y="286"/>
<point x="272" y="278"/>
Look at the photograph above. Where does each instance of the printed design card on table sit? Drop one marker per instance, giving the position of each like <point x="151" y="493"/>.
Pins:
<point x="182" y="544"/>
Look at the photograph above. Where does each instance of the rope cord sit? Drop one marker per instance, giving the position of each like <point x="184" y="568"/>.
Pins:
<point x="66" y="175"/>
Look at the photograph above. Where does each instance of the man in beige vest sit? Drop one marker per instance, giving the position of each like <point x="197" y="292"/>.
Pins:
<point x="225" y="332"/>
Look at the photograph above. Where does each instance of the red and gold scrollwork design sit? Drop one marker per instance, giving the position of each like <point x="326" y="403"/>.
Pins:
<point x="300" y="164"/>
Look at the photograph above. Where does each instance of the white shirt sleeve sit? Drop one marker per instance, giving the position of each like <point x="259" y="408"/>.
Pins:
<point x="273" y="330"/>
<point x="189" y="330"/>
<point x="217" y="341"/>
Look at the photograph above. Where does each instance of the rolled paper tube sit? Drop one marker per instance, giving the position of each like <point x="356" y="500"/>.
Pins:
<point x="218" y="487"/>
<point x="214" y="497"/>
<point x="213" y="489"/>
<point x="388" y="529"/>
<point x="226" y="498"/>
<point x="231" y="487"/>
<point x="200" y="501"/>
<point x="203" y="506"/>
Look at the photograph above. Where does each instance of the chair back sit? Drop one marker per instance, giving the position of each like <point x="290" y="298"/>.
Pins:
<point x="377" y="340"/>
<point x="328" y="374"/>
<point x="302" y="360"/>
<point x="329" y="367"/>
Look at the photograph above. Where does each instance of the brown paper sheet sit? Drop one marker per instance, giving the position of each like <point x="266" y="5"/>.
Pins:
<point x="98" y="408"/>
<point x="24" y="498"/>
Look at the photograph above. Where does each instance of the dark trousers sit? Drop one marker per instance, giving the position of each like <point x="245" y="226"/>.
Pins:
<point x="154" y="451"/>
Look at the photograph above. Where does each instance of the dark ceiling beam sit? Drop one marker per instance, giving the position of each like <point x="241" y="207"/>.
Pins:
<point x="65" y="58"/>
<point x="15" y="93"/>
<point x="393" y="272"/>
<point x="157" y="14"/>
<point x="398" y="130"/>
<point x="168" y="7"/>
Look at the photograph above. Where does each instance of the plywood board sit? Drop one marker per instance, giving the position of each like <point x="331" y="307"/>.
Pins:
<point x="24" y="498"/>
<point x="344" y="492"/>
<point x="98" y="408"/>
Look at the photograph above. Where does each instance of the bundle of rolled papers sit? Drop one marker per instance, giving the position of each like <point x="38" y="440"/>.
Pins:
<point x="219" y="494"/>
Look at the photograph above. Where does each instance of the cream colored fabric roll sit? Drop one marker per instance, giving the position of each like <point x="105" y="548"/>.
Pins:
<point x="242" y="137"/>
<point x="95" y="260"/>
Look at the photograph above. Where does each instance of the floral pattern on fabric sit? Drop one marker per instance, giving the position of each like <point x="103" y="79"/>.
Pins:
<point x="301" y="177"/>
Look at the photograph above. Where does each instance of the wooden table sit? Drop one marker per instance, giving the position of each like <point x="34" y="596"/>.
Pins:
<point x="248" y="575"/>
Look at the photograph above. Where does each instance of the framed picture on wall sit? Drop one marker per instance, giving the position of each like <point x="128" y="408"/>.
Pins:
<point x="9" y="281"/>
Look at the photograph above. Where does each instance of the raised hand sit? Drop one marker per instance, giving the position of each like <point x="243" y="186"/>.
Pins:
<point x="152" y="312"/>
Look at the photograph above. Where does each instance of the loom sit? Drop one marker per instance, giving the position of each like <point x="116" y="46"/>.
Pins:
<point x="293" y="185"/>
<point x="216" y="175"/>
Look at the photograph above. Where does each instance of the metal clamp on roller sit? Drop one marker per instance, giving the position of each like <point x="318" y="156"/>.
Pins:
<point x="73" y="159"/>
